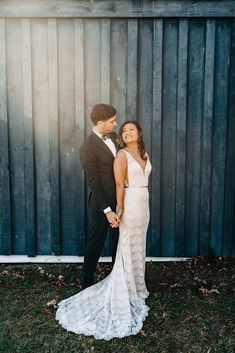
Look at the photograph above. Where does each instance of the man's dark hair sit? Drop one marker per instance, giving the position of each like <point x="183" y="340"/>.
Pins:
<point x="102" y="112"/>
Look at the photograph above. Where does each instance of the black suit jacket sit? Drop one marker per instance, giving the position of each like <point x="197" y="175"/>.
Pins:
<point x="97" y="163"/>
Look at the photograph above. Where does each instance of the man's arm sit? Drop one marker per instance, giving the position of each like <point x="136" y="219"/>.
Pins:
<point x="90" y="167"/>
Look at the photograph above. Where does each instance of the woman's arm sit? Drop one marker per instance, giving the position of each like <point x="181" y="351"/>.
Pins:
<point x="120" y="170"/>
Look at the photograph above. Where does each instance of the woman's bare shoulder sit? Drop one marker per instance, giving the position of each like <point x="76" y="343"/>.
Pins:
<point x="121" y="156"/>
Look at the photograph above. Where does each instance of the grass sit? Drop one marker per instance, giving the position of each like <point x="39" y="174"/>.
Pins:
<point x="192" y="306"/>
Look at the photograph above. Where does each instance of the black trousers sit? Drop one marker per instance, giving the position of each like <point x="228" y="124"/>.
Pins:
<point x="97" y="234"/>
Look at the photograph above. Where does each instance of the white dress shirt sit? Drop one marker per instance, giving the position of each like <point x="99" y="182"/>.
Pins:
<point x="108" y="142"/>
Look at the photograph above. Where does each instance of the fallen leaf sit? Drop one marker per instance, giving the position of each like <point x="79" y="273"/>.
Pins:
<point x="53" y="302"/>
<point x="175" y="285"/>
<point x="214" y="290"/>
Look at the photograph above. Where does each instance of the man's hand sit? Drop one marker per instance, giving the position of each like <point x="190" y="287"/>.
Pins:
<point x="113" y="219"/>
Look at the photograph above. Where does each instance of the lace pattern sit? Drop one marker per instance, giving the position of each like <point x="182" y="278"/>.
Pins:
<point x="115" y="307"/>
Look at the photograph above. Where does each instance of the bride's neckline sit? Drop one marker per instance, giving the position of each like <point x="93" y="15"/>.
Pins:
<point x="143" y="169"/>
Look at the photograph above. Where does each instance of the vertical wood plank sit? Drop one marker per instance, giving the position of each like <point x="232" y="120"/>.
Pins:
<point x="105" y="84"/>
<point x="194" y="131"/>
<point x="168" y="185"/>
<point x="92" y="57"/>
<point x="41" y="99"/>
<point x="68" y="164"/>
<point x="155" y="234"/>
<point x="131" y="73"/>
<point x="92" y="77"/>
<point x="5" y="201"/>
<point x="229" y="198"/>
<point x="16" y="134"/>
<point x="207" y="118"/>
<point x="80" y="124"/>
<point x="145" y="90"/>
<point x="28" y="139"/>
<point x="53" y="136"/>
<point x="105" y="60"/>
<point x="181" y="136"/>
<point x="118" y="67"/>
<point x="222" y="53"/>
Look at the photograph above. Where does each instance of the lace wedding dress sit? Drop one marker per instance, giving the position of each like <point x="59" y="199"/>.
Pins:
<point x="115" y="307"/>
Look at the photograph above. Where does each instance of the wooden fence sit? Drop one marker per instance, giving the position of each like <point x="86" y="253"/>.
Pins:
<point x="168" y="64"/>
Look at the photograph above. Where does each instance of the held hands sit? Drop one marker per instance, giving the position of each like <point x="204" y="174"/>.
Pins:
<point x="113" y="219"/>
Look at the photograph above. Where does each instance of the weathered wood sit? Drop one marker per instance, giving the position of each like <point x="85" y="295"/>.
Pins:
<point x="92" y="40"/>
<point x="16" y="134"/>
<point x="68" y="163"/>
<point x="229" y="198"/>
<point x="169" y="90"/>
<point x="118" y="68"/>
<point x="28" y="139"/>
<point x="145" y="90"/>
<point x="219" y="143"/>
<point x="116" y="8"/>
<point x="181" y="134"/>
<point x="79" y="136"/>
<point x="53" y="136"/>
<point x="39" y="32"/>
<point x="105" y="60"/>
<point x="207" y="124"/>
<point x="156" y="147"/>
<point x="160" y="71"/>
<point x="5" y="210"/>
<point x="194" y="131"/>
<point x="132" y="58"/>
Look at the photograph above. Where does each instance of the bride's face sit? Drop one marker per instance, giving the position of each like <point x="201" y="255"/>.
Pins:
<point x="130" y="133"/>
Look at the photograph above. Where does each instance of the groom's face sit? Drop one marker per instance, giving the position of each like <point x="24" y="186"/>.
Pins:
<point x="109" y="124"/>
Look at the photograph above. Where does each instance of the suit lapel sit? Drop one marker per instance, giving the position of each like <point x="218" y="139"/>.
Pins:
<point x="98" y="141"/>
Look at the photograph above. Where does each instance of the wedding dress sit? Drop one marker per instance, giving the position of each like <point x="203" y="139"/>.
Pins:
<point x="115" y="307"/>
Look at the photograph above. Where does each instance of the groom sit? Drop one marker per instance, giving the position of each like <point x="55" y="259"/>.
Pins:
<point x="97" y="155"/>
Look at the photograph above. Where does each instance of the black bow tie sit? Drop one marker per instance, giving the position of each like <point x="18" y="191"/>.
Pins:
<point x="105" y="136"/>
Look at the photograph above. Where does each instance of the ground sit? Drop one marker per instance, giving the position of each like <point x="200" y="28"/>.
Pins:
<point x="192" y="306"/>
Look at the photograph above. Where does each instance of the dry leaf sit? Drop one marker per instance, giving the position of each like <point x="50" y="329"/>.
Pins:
<point x="175" y="285"/>
<point x="53" y="302"/>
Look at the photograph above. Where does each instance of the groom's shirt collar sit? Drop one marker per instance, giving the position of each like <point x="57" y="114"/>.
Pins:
<point x="108" y="142"/>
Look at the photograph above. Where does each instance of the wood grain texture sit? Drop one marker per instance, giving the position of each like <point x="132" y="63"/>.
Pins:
<point x="16" y="134"/>
<point x="207" y="125"/>
<point x="115" y="8"/>
<point x="229" y="197"/>
<point x="219" y="136"/>
<point x="169" y="128"/>
<point x="174" y="75"/>
<point x="181" y="135"/>
<point x="5" y="203"/>
<point x="28" y="139"/>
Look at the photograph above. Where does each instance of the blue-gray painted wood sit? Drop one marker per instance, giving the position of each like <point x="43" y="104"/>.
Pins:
<point x="207" y="123"/>
<point x="116" y="8"/>
<point x="174" y="75"/>
<point x="194" y="133"/>
<point x="229" y="201"/>
<point x="145" y="90"/>
<point x="16" y="134"/>
<point x="219" y="134"/>
<point x="53" y="113"/>
<point x="169" y="104"/>
<point x="28" y="139"/>
<point x="5" y="204"/>
<point x="180" y="138"/>
<point x="156" y="142"/>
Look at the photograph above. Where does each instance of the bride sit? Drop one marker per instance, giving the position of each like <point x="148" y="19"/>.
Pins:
<point x="115" y="307"/>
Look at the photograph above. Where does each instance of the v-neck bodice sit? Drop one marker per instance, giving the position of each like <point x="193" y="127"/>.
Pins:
<point x="137" y="176"/>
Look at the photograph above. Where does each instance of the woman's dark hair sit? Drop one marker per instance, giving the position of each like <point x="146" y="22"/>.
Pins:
<point x="102" y="112"/>
<point x="141" y="144"/>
